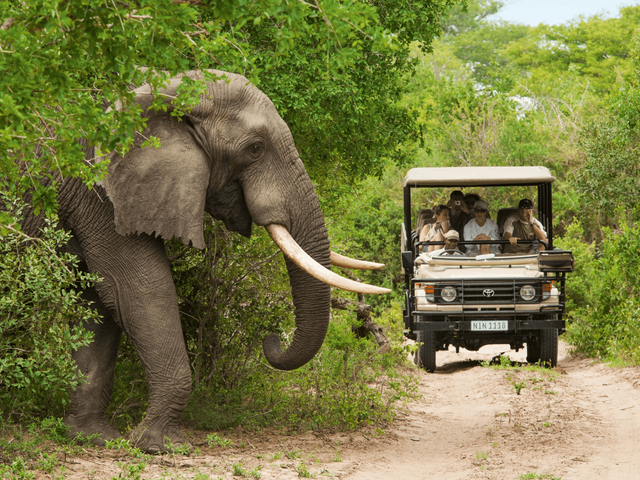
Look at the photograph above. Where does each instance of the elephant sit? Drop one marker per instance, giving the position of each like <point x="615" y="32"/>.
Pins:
<point x="233" y="157"/>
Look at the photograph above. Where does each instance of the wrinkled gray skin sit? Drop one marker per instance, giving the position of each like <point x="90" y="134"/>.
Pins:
<point x="233" y="157"/>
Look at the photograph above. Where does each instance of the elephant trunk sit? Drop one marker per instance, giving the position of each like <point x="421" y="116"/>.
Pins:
<point x="311" y="297"/>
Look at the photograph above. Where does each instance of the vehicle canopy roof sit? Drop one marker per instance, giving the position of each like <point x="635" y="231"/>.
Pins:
<point x="476" y="176"/>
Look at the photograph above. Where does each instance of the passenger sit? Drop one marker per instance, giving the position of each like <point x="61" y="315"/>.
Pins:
<point x="470" y="200"/>
<point x="451" y="239"/>
<point x="523" y="227"/>
<point x="481" y="228"/>
<point x="435" y="231"/>
<point x="459" y="212"/>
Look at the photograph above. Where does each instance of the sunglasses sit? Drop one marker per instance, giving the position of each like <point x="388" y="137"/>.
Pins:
<point x="479" y="210"/>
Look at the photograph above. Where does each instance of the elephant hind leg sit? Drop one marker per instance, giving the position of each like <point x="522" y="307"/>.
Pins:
<point x="97" y="363"/>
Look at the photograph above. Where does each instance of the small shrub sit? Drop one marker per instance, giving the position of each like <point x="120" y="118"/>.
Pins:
<point x="214" y="440"/>
<point x="304" y="472"/>
<point x="39" y="297"/>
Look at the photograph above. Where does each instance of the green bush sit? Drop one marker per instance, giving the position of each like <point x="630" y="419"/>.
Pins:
<point x="39" y="297"/>
<point x="347" y="385"/>
<point x="604" y="295"/>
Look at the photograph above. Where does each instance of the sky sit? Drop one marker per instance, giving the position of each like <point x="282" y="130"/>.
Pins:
<point x="553" y="12"/>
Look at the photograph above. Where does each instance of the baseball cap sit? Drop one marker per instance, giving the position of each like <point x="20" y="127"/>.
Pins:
<point x="525" y="203"/>
<point x="452" y="234"/>
<point x="481" y="204"/>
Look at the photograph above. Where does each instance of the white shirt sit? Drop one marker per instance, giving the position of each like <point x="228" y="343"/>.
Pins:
<point x="490" y="229"/>
<point x="508" y="224"/>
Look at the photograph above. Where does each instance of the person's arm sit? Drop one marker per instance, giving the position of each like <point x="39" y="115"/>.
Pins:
<point x="538" y="229"/>
<point x="508" y="231"/>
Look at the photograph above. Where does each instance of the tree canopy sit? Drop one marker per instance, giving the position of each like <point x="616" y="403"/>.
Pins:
<point x="331" y="68"/>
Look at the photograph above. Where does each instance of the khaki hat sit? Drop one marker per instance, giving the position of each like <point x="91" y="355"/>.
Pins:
<point x="481" y="204"/>
<point x="452" y="234"/>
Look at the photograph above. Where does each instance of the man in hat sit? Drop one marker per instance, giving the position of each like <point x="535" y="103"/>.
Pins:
<point x="481" y="228"/>
<point x="523" y="226"/>
<point x="451" y="239"/>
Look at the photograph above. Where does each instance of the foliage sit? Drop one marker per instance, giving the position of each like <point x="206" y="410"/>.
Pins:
<point x="594" y="47"/>
<point x="605" y="323"/>
<point x="29" y="449"/>
<point x="368" y="227"/>
<point x="610" y="176"/>
<point x="331" y="66"/>
<point x="347" y="385"/>
<point x="501" y="54"/>
<point x="470" y="16"/>
<point x="39" y="296"/>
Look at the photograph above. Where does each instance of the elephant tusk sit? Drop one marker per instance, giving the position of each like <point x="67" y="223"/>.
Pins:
<point x="297" y="255"/>
<point x="346" y="262"/>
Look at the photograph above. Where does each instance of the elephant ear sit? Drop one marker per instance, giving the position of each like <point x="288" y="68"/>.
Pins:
<point x="162" y="190"/>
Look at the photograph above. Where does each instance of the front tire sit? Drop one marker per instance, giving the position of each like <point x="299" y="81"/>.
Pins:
<point x="549" y="347"/>
<point x="426" y="355"/>
<point x="533" y="351"/>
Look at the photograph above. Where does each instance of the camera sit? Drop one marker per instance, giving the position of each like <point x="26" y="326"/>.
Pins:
<point x="457" y="202"/>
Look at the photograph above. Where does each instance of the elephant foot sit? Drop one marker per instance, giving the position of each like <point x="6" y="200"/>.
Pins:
<point x="92" y="429"/>
<point x="152" y="438"/>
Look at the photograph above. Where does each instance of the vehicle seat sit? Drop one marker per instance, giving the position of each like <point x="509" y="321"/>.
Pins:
<point x="503" y="214"/>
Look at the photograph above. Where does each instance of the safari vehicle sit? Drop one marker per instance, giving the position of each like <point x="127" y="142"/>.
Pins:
<point x="454" y="299"/>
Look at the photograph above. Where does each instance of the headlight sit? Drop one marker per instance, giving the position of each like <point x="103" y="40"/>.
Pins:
<point x="546" y="290"/>
<point x="448" y="294"/>
<point x="527" y="293"/>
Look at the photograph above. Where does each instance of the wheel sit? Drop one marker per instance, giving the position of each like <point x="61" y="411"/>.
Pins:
<point x="533" y="351"/>
<point x="426" y="354"/>
<point x="549" y="347"/>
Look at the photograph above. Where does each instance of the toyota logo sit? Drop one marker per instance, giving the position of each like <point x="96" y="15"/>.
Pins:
<point x="488" y="292"/>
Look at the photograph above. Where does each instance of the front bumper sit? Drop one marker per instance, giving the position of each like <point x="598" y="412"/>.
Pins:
<point x="514" y="326"/>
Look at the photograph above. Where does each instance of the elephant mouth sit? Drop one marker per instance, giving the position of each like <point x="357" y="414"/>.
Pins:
<point x="283" y="239"/>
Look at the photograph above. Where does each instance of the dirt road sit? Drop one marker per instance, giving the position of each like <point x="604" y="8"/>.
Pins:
<point x="580" y="424"/>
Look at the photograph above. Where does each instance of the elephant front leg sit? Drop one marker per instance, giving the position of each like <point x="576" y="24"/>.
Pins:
<point x="143" y="296"/>
<point x="138" y="290"/>
<point x="96" y="362"/>
<point x="157" y="337"/>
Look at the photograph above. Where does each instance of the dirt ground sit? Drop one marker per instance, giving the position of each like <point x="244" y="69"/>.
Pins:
<point x="469" y="424"/>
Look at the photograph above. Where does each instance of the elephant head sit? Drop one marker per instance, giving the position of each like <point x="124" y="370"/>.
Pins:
<point x="234" y="157"/>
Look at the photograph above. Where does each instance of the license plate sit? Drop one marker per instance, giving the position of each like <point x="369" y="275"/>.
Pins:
<point x="489" y="325"/>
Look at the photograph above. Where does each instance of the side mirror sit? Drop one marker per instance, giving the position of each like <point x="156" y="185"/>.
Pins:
<point x="407" y="260"/>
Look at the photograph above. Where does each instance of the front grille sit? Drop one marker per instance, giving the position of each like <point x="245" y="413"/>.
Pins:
<point x="483" y="292"/>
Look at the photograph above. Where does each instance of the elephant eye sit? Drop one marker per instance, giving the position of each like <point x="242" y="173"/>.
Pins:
<point x="256" y="149"/>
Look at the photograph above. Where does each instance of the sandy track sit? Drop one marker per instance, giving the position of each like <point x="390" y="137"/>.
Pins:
<point x="469" y="424"/>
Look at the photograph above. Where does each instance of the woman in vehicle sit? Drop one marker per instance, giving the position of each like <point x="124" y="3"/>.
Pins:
<point x="435" y="231"/>
<point x="481" y="228"/>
